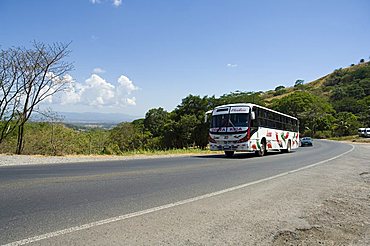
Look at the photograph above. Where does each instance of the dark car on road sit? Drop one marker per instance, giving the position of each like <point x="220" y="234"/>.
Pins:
<point x="306" y="141"/>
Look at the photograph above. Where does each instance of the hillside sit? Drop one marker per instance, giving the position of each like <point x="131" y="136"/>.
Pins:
<point x="333" y="105"/>
<point x="353" y="81"/>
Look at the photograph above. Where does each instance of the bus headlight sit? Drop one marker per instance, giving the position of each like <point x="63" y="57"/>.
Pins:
<point x="244" y="139"/>
<point x="211" y="140"/>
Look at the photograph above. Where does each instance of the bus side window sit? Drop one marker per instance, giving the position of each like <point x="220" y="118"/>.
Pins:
<point x="296" y="125"/>
<point x="290" y="124"/>
<point x="279" y="123"/>
<point x="284" y="123"/>
<point x="254" y="123"/>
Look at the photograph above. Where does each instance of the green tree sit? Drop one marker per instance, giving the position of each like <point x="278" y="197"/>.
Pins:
<point x="338" y="93"/>
<point x="298" y="82"/>
<point x="355" y="90"/>
<point x="126" y="136"/>
<point x="280" y="87"/>
<point x="365" y="85"/>
<point x="311" y="110"/>
<point x="194" y="105"/>
<point x="144" y="134"/>
<point x="186" y="130"/>
<point x="189" y="117"/>
<point x="364" y="115"/>
<point x="348" y="104"/>
<point x="154" y="121"/>
<point x="241" y="97"/>
<point x="345" y="124"/>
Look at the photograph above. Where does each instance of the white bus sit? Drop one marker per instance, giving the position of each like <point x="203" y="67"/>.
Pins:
<point x="247" y="127"/>
<point x="364" y="132"/>
<point x="361" y="132"/>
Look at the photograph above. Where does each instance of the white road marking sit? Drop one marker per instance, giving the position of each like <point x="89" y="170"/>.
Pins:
<point x="170" y="205"/>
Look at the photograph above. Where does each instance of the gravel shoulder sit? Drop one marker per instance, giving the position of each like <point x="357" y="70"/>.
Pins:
<point x="16" y="160"/>
<point x="324" y="205"/>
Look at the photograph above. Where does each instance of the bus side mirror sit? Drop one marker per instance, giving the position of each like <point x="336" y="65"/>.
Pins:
<point x="253" y="115"/>
<point x="206" y="115"/>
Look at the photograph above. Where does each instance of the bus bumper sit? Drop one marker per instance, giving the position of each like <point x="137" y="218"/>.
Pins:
<point x="229" y="147"/>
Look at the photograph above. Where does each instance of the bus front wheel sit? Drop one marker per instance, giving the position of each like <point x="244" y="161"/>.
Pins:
<point x="229" y="153"/>
<point x="262" y="151"/>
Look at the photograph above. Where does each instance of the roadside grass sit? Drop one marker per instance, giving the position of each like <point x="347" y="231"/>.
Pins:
<point x="173" y="152"/>
<point x="133" y="153"/>
<point x="167" y="152"/>
<point x="354" y="138"/>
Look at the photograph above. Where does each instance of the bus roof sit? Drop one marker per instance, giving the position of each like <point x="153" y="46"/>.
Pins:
<point x="253" y="105"/>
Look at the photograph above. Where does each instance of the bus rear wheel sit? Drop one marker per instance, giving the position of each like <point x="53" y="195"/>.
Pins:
<point x="229" y="153"/>
<point x="288" y="147"/>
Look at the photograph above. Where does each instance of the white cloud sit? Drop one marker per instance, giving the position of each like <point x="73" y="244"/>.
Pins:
<point x="70" y="95"/>
<point x="98" y="70"/>
<point x="125" y="84"/>
<point x="58" y="83"/>
<point x="68" y="78"/>
<point x="45" y="91"/>
<point x="131" y="101"/>
<point x="97" y="92"/>
<point x="231" y="65"/>
<point x="117" y="2"/>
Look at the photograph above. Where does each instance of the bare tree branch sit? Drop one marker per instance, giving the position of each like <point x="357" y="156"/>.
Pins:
<point x="28" y="76"/>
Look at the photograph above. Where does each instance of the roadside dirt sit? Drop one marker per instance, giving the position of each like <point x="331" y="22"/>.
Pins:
<point x="341" y="219"/>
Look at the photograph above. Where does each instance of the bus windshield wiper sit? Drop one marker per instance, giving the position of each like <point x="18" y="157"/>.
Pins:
<point x="234" y="128"/>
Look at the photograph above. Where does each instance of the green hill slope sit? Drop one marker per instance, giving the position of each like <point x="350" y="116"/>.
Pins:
<point x="333" y="105"/>
<point x="353" y="81"/>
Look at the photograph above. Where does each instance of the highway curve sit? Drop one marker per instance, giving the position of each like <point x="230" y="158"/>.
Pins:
<point x="39" y="199"/>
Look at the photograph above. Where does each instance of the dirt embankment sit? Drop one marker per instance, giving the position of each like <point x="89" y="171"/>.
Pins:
<point x="343" y="217"/>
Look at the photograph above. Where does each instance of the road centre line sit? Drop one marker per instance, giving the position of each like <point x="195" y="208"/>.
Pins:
<point x="166" y="206"/>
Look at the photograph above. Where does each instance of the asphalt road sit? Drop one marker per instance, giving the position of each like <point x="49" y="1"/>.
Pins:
<point x="43" y="198"/>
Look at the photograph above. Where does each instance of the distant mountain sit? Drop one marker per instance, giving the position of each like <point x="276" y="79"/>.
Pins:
<point x="87" y="118"/>
<point x="93" y="117"/>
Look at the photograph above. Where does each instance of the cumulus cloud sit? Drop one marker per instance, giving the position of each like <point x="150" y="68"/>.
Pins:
<point x="98" y="70"/>
<point x="58" y="83"/>
<point x="231" y="65"/>
<point x="45" y="91"/>
<point x="97" y="92"/>
<point x="117" y="2"/>
<point x="131" y="101"/>
<point x="126" y="84"/>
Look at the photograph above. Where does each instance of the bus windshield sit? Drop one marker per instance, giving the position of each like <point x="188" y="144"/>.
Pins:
<point x="230" y="120"/>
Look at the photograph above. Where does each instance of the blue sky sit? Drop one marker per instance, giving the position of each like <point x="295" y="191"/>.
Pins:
<point x="150" y="54"/>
